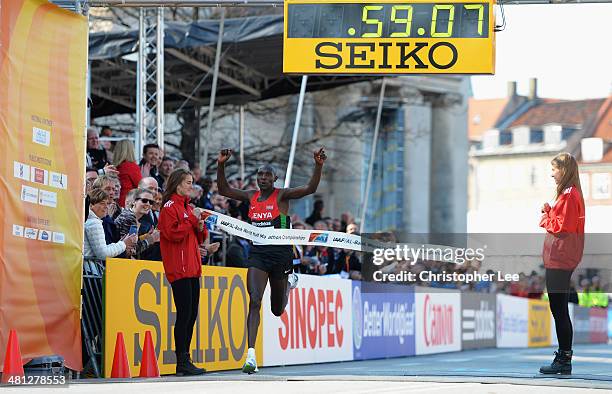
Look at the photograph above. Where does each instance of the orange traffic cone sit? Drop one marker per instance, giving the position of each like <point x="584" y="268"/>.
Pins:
<point x="13" y="366"/>
<point x="121" y="366"/>
<point x="148" y="364"/>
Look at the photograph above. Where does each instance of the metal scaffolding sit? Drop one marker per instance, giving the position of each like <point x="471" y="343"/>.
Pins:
<point x="150" y="79"/>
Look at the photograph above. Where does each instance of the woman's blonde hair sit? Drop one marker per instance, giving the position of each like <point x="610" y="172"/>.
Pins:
<point x="124" y="151"/>
<point x="569" y="168"/>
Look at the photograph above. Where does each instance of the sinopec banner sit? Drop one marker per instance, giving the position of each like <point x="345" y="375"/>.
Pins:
<point x="383" y="320"/>
<point x="139" y="298"/>
<point x="43" y="62"/>
<point x="438" y="321"/>
<point x="598" y="322"/>
<point x="581" y="322"/>
<point x="477" y="320"/>
<point x="315" y="327"/>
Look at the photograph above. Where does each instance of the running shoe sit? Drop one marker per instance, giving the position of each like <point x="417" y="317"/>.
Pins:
<point x="250" y="365"/>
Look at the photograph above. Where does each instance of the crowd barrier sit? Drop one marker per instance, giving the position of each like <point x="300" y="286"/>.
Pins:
<point x="326" y="319"/>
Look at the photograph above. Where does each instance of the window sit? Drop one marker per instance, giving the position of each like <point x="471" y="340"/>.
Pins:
<point x="536" y="136"/>
<point x="566" y="133"/>
<point x="505" y="138"/>
<point x="601" y="186"/>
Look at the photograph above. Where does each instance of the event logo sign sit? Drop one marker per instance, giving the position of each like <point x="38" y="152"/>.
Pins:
<point x="220" y="334"/>
<point x="383" y="320"/>
<point x="477" y="320"/>
<point x="316" y="325"/>
<point x="598" y="321"/>
<point x="539" y="323"/>
<point x="438" y="317"/>
<point x="512" y="321"/>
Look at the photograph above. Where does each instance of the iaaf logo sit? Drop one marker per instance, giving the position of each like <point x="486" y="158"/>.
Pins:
<point x="437" y="323"/>
<point x="318" y="237"/>
<point x="209" y="219"/>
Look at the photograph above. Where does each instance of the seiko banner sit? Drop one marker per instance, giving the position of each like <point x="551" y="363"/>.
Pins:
<point x="477" y="320"/>
<point x="598" y="322"/>
<point x="438" y="317"/>
<point x="582" y="325"/>
<point x="315" y="327"/>
<point x="138" y="298"/>
<point x="512" y="321"/>
<point x="383" y="320"/>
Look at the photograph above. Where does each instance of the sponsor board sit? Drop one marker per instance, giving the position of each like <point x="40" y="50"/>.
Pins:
<point x="598" y="322"/>
<point x="581" y="325"/>
<point x="29" y="194"/>
<point x="316" y="325"/>
<point x="31" y="233"/>
<point x="57" y="180"/>
<point x="383" y="320"/>
<point x="512" y="321"/>
<point x="438" y="321"/>
<point x="41" y="136"/>
<point x="47" y="198"/>
<point x="59" y="238"/>
<point x="138" y="298"/>
<point x="477" y="320"/>
<point x="539" y="323"/>
<point x="39" y="176"/>
<point x="18" y="230"/>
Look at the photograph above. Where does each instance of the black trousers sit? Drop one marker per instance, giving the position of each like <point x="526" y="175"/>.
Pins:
<point x="186" y="293"/>
<point x="558" y="285"/>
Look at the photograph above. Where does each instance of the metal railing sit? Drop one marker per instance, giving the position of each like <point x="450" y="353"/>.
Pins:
<point x="92" y="316"/>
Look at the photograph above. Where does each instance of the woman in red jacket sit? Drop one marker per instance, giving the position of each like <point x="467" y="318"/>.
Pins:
<point x="129" y="172"/>
<point x="563" y="247"/>
<point x="181" y="233"/>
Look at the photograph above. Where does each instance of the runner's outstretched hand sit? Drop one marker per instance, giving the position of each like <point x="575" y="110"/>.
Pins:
<point x="224" y="155"/>
<point x="320" y="156"/>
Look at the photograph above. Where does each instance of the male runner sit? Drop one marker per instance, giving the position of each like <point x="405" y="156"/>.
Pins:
<point x="267" y="263"/>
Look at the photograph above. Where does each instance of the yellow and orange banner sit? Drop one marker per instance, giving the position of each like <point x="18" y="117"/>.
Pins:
<point x="43" y="63"/>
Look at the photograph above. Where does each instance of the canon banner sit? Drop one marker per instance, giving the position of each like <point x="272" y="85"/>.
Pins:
<point x="43" y="61"/>
<point x="137" y="298"/>
<point x="315" y="327"/>
<point x="438" y="321"/>
<point x="477" y="320"/>
<point x="383" y="320"/>
<point x="512" y="321"/>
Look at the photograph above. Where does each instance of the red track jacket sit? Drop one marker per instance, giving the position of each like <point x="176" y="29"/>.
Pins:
<point x="564" y="224"/>
<point x="180" y="239"/>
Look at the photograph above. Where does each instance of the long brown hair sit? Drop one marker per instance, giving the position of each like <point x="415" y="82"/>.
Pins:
<point x="174" y="180"/>
<point x="571" y="176"/>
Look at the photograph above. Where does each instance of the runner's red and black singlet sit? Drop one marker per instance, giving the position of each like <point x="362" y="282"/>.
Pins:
<point x="266" y="213"/>
<point x="277" y="260"/>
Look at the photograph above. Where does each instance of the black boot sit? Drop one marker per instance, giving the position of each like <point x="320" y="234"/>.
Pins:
<point x="562" y="364"/>
<point x="184" y="366"/>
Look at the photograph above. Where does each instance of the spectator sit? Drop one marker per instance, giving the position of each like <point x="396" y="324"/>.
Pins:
<point x="96" y="156"/>
<point x="149" y="183"/>
<point x="91" y="174"/>
<point x="205" y="202"/>
<point x="108" y="185"/>
<point x="107" y="132"/>
<point x="237" y="252"/>
<point x="129" y="172"/>
<point x="197" y="172"/>
<point x="184" y="164"/>
<point x="317" y="213"/>
<point x="151" y="156"/>
<point x="345" y="219"/>
<point x="95" y="246"/>
<point x="352" y="228"/>
<point x="157" y="205"/>
<point x="148" y="235"/>
<point x="165" y="169"/>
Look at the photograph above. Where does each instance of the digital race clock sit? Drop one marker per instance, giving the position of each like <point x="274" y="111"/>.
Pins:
<point x="395" y="37"/>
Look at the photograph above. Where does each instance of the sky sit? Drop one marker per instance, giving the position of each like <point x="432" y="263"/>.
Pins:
<point x="567" y="47"/>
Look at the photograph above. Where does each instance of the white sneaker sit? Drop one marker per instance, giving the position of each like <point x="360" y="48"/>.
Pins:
<point x="250" y="365"/>
<point x="293" y="280"/>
